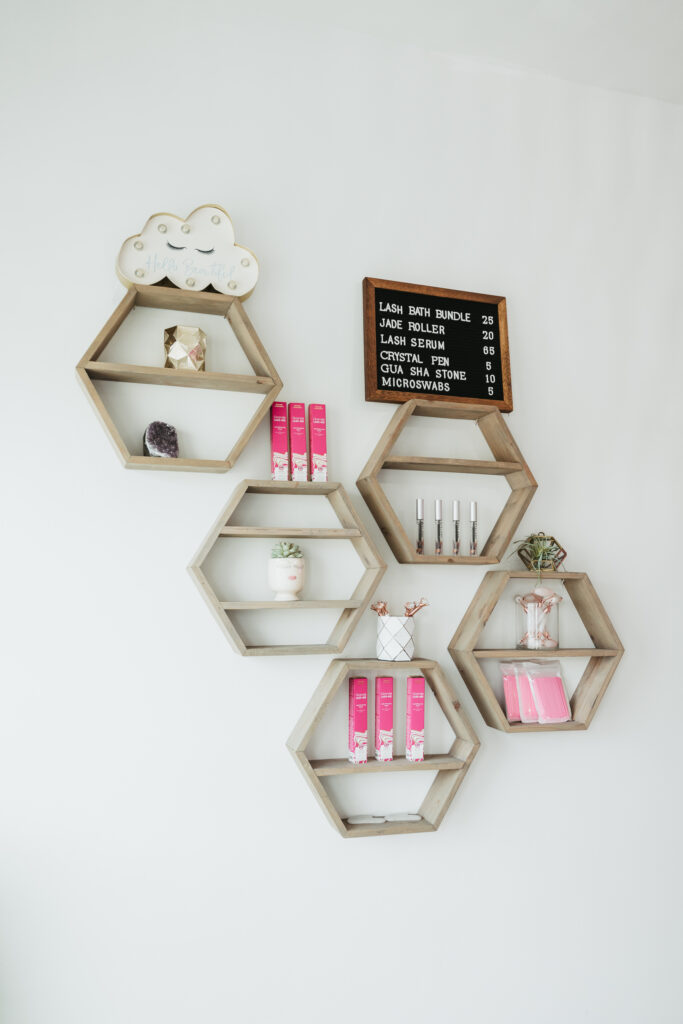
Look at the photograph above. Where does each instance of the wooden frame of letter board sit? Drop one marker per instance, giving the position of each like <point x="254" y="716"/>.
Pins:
<point x="375" y="394"/>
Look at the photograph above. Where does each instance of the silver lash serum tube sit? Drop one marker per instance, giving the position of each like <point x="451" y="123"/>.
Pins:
<point x="473" y="528"/>
<point x="438" y="516"/>
<point x="456" y="527"/>
<point x="420" y="516"/>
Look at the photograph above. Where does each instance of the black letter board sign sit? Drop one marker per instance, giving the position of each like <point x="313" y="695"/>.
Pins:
<point x="435" y="343"/>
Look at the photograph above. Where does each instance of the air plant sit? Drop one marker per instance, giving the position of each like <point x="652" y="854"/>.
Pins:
<point x="540" y="553"/>
<point x="286" y="549"/>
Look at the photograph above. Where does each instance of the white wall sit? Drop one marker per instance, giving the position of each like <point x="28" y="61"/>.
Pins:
<point x="157" y="866"/>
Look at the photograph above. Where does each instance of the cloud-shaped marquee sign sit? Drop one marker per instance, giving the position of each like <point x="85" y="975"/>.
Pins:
<point x="192" y="253"/>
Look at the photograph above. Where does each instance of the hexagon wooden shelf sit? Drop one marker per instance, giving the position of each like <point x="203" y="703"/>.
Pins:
<point x="508" y="462"/>
<point x="351" y="529"/>
<point x="603" y="657"/>
<point x="265" y="382"/>
<point x="450" y="767"/>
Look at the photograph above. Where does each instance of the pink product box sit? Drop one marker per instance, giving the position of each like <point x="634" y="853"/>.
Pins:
<point x="384" y="718"/>
<point x="317" y="438"/>
<point x="297" y="440"/>
<point x="279" y="448"/>
<point x="358" y="720"/>
<point x="415" y="719"/>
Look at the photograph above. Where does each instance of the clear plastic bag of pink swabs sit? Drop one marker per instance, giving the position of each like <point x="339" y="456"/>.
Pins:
<point x="508" y="671"/>
<point x="548" y="690"/>
<point x="519" y="700"/>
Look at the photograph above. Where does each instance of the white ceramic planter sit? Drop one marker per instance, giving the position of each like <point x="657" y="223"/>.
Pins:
<point x="286" y="577"/>
<point x="395" y="637"/>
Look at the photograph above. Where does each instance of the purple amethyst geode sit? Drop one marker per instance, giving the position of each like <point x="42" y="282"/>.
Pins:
<point x="160" y="440"/>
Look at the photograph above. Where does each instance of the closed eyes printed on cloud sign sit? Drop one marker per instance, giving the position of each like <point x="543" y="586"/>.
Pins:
<point x="192" y="253"/>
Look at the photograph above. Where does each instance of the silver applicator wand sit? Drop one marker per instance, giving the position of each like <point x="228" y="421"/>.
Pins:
<point x="456" y="527"/>
<point x="420" y="516"/>
<point x="473" y="528"/>
<point x="438" y="515"/>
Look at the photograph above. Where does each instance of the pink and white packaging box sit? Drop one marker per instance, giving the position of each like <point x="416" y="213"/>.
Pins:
<point x="297" y="441"/>
<point x="317" y="438"/>
<point x="358" y="720"/>
<point x="415" y="719"/>
<point x="279" y="447"/>
<point x="384" y="718"/>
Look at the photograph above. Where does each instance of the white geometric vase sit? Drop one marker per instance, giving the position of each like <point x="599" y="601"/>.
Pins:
<point x="395" y="638"/>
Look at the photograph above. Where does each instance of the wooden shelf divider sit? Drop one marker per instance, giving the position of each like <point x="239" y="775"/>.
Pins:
<point x="283" y="650"/>
<point x="452" y="560"/>
<point x="450" y="768"/>
<point x="431" y="763"/>
<point x="507" y="461"/>
<point x="191" y="465"/>
<point x="386" y="828"/>
<point x="265" y="380"/>
<point x="515" y="654"/>
<point x="436" y="465"/>
<point x="289" y="531"/>
<point x="285" y="606"/>
<point x="351" y="529"/>
<point x="603" y="658"/>
<point x="170" y="377"/>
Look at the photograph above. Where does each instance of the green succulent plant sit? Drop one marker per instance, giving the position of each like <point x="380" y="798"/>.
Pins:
<point x="286" y="549"/>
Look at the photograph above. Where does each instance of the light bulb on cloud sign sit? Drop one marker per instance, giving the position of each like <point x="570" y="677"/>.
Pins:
<point x="193" y="253"/>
